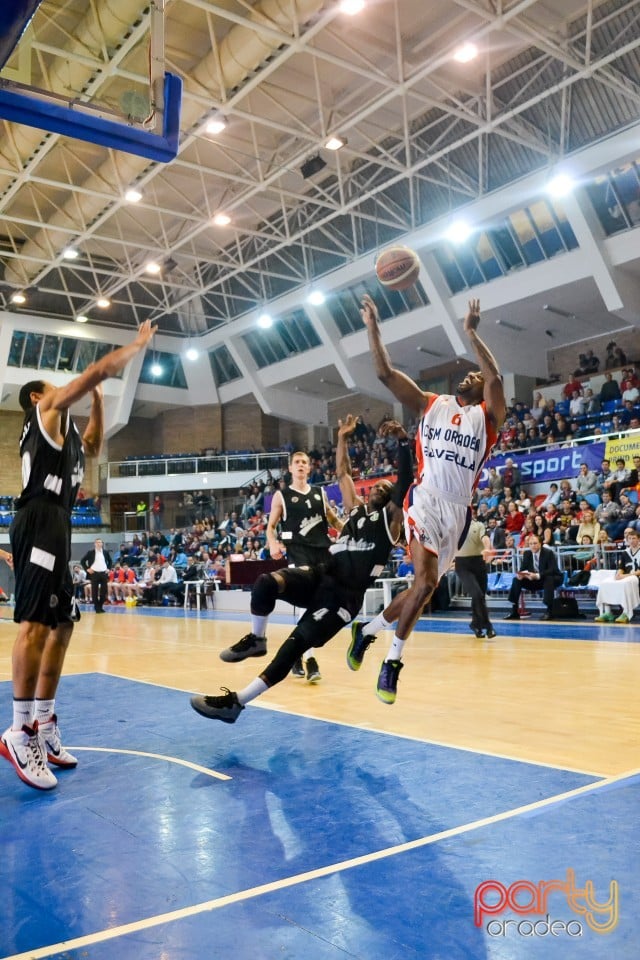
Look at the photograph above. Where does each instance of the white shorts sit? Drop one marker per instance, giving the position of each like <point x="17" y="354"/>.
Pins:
<point x="624" y="592"/>
<point x="437" y="524"/>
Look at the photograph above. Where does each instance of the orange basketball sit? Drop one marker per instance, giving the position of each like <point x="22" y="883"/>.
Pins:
<point x="397" y="268"/>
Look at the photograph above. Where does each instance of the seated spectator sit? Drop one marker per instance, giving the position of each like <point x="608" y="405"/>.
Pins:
<point x="542" y="528"/>
<point x="610" y="389"/>
<point x="586" y="481"/>
<point x="628" y="388"/>
<point x="523" y="502"/>
<point x="589" y="527"/>
<point x="618" y="479"/>
<point x="497" y="534"/>
<point x="80" y="583"/>
<point x="566" y="493"/>
<point x="589" y="363"/>
<point x="577" y="404"/>
<point x="634" y="477"/>
<point x="539" y="407"/>
<point x="538" y="571"/>
<point x="627" y="414"/>
<point x="495" y="482"/>
<point x="623" y="591"/>
<point x="591" y="402"/>
<point x="515" y="520"/>
<point x="608" y="510"/>
<point x="574" y="386"/>
<point x="504" y="558"/>
<point x="626" y="517"/>
<point x="616" y="357"/>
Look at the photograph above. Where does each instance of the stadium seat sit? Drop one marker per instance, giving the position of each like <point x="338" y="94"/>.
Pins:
<point x="593" y="500"/>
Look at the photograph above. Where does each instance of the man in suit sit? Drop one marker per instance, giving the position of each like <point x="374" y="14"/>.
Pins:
<point x="497" y="535"/>
<point x="97" y="563"/>
<point x="538" y="571"/>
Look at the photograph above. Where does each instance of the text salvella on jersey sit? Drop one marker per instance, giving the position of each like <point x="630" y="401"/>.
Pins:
<point x="452" y="456"/>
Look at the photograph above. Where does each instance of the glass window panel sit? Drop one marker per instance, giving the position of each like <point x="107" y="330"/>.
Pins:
<point x="445" y="260"/>
<point x="49" y="358"/>
<point x="85" y="354"/>
<point x="16" y="348"/>
<point x="66" y="357"/>
<point x="506" y="248"/>
<point x="32" y="348"/>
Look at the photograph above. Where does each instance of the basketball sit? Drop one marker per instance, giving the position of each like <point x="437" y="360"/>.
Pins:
<point x="397" y="268"/>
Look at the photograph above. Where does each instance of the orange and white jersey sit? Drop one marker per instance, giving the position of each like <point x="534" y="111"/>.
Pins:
<point x="452" y="443"/>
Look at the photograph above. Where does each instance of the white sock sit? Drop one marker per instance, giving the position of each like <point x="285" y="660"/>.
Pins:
<point x="259" y="625"/>
<point x="374" y="626"/>
<point x="251" y="691"/>
<point x="308" y="653"/>
<point x="22" y="713"/>
<point x="45" y="709"/>
<point x="395" y="650"/>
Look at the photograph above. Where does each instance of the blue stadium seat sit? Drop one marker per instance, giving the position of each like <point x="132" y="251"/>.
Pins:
<point x="593" y="500"/>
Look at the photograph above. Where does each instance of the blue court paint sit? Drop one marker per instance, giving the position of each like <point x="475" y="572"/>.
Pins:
<point x="124" y="838"/>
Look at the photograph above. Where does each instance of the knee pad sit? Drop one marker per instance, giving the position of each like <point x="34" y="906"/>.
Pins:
<point x="264" y="594"/>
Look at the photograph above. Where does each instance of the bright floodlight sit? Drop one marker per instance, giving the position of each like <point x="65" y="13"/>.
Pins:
<point x="466" y="53"/>
<point x="152" y="267"/>
<point x="222" y="219"/>
<point x="459" y="231"/>
<point x="81" y="318"/>
<point x="70" y="253"/>
<point x="215" y="126"/>
<point x="156" y="370"/>
<point x="561" y="185"/>
<point x="103" y="303"/>
<point x="334" y="143"/>
<point x="191" y="353"/>
<point x="265" y="320"/>
<point x="133" y="196"/>
<point x="352" y="7"/>
<point x="18" y="298"/>
<point x="316" y="298"/>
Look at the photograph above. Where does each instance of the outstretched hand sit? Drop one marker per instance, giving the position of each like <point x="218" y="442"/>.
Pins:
<point x="145" y="332"/>
<point x="472" y="318"/>
<point x="369" y="312"/>
<point x="347" y="426"/>
<point x="392" y="428"/>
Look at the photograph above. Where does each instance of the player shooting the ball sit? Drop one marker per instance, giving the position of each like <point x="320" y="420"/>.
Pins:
<point x="454" y="437"/>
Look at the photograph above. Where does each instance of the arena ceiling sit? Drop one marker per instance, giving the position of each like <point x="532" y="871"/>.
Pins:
<point x="423" y="136"/>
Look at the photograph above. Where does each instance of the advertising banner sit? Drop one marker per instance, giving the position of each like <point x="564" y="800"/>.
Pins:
<point x="543" y="466"/>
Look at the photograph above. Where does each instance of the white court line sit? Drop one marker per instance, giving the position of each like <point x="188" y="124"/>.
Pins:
<point x="156" y="756"/>
<point x="299" y="878"/>
<point x="387" y="733"/>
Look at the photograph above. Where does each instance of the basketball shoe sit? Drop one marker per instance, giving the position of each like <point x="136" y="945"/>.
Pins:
<point x="225" y="708"/>
<point x="297" y="670"/>
<point x="358" y="646"/>
<point x="249" y="646"/>
<point x="24" y="749"/>
<point x="313" y="670"/>
<point x="387" y="686"/>
<point x="57" y="754"/>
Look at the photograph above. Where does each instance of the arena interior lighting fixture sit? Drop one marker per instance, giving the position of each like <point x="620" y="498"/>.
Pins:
<point x="215" y="125"/>
<point x="70" y="253"/>
<point x="561" y="185"/>
<point x="152" y="267"/>
<point x="265" y="320"/>
<point x="458" y="232"/>
<point x="81" y="318"/>
<point x="465" y="53"/>
<point x="316" y="298"/>
<point x="133" y="196"/>
<point x="103" y="302"/>
<point x="18" y="298"/>
<point x="222" y="220"/>
<point x="335" y="143"/>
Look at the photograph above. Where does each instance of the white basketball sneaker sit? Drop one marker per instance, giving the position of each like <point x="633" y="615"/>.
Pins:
<point x="24" y="749"/>
<point x="56" y="753"/>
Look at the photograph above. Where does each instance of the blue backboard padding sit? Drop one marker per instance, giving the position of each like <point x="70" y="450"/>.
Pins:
<point x="35" y="112"/>
<point x="14" y="19"/>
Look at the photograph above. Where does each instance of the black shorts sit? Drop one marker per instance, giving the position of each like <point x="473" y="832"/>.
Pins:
<point x="331" y="608"/>
<point x="41" y="545"/>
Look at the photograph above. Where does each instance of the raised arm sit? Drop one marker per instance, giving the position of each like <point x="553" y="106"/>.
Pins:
<point x="332" y="517"/>
<point x="401" y="386"/>
<point x="108" y="366"/>
<point x="94" y="431"/>
<point x="405" y="474"/>
<point x="493" y="387"/>
<point x="350" y="498"/>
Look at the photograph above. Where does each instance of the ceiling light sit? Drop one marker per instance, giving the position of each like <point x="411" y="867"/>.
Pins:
<point x="191" y="353"/>
<point x="156" y="370"/>
<point x="81" y="318"/>
<point x="459" y="231"/>
<point x="222" y="219"/>
<point x="465" y="53"/>
<point x="265" y="320"/>
<point x="312" y="165"/>
<point x="335" y="143"/>
<point x="351" y="7"/>
<point x="103" y="303"/>
<point x="215" y="126"/>
<point x="561" y="185"/>
<point x="70" y="253"/>
<point x="133" y="196"/>
<point x="559" y="313"/>
<point x="316" y="298"/>
<point x="18" y="298"/>
<point x="152" y="267"/>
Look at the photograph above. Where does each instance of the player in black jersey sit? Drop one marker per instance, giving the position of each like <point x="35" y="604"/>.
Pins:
<point x="52" y="453"/>
<point x="335" y="590"/>
<point x="302" y="515"/>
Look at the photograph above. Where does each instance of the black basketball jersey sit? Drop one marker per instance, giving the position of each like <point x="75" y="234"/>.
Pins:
<point x="630" y="562"/>
<point x="50" y="471"/>
<point x="304" y="528"/>
<point x="362" y="549"/>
